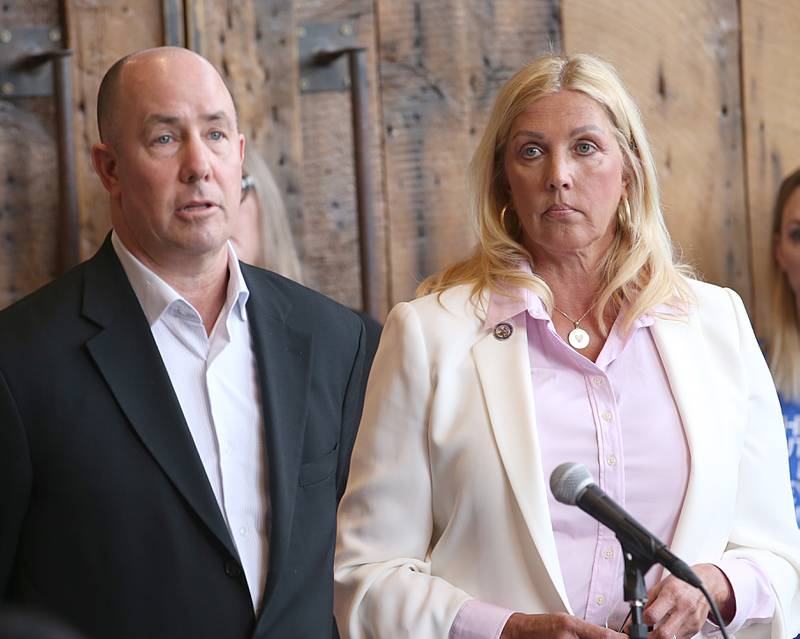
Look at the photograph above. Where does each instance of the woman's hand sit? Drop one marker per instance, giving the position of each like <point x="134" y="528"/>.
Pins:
<point x="679" y="610"/>
<point x="555" y="626"/>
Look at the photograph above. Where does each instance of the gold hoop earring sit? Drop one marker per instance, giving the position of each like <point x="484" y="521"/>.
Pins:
<point x="503" y="213"/>
<point x="624" y="214"/>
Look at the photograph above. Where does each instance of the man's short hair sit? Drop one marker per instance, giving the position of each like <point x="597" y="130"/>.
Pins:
<point x="106" y="96"/>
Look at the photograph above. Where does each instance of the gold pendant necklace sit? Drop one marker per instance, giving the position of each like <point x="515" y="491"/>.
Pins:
<point x="577" y="337"/>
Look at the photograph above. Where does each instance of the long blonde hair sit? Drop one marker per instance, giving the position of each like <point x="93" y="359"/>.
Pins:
<point x="783" y="341"/>
<point x="278" y="252"/>
<point x="641" y="270"/>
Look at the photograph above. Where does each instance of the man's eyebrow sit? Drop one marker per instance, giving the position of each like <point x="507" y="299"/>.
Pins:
<point x="218" y="116"/>
<point x="161" y="118"/>
<point x="165" y="118"/>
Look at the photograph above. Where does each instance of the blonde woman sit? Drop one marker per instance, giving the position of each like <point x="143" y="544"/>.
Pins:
<point x="262" y="235"/>
<point x="571" y="334"/>
<point x="784" y="338"/>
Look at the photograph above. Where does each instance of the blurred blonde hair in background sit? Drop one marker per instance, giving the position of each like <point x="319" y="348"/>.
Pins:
<point x="278" y="252"/>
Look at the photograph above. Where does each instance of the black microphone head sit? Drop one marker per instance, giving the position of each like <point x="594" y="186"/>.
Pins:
<point x="568" y="481"/>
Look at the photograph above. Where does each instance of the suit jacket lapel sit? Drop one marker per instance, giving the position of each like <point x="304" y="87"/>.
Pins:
<point x="128" y="358"/>
<point x="680" y="345"/>
<point x="284" y="365"/>
<point x="505" y="376"/>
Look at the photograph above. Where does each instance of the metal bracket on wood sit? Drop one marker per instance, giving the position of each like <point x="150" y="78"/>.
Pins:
<point x="322" y="66"/>
<point x="24" y="53"/>
<point x="24" y="72"/>
<point x="332" y="60"/>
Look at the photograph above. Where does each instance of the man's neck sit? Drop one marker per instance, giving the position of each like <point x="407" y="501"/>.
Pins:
<point x="205" y="289"/>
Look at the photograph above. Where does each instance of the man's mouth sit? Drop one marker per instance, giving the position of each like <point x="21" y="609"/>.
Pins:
<point x="196" y="206"/>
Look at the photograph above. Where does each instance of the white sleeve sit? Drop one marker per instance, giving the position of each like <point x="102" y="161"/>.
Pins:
<point x="764" y="529"/>
<point x="383" y="583"/>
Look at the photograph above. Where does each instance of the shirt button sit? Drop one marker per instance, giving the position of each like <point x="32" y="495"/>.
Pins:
<point x="232" y="568"/>
<point x="600" y="600"/>
<point x="608" y="553"/>
<point x="597" y="380"/>
<point x="243" y="531"/>
<point x="612" y="460"/>
<point x="607" y="415"/>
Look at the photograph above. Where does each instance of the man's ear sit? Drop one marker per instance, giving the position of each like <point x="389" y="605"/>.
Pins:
<point x="104" y="161"/>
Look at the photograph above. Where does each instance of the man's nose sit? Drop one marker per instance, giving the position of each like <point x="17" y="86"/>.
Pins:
<point x="196" y="165"/>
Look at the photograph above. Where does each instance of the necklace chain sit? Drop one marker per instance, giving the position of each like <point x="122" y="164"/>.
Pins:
<point x="580" y="319"/>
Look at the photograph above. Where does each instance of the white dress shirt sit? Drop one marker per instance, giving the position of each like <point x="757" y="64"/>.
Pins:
<point x="216" y="381"/>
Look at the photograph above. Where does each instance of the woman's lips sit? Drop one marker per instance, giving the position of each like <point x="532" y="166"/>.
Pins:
<point x="559" y="210"/>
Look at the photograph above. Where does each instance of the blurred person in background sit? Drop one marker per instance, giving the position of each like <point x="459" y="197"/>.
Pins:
<point x="263" y="236"/>
<point x="783" y="342"/>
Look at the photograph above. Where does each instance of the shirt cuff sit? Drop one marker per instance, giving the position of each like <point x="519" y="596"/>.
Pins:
<point x="479" y="620"/>
<point x="751" y="590"/>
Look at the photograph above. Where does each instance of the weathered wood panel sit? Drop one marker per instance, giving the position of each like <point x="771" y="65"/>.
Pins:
<point x="306" y="139"/>
<point x="441" y="66"/>
<point x="101" y="32"/>
<point x="329" y="229"/>
<point x="771" y="82"/>
<point x="28" y="174"/>
<point x="680" y="60"/>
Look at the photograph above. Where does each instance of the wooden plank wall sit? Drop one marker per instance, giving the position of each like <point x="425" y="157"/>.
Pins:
<point x="771" y="88"/>
<point x="713" y="78"/>
<point x="688" y="89"/>
<point x="28" y="194"/>
<point x="101" y="33"/>
<point x="306" y="138"/>
<point x="441" y="65"/>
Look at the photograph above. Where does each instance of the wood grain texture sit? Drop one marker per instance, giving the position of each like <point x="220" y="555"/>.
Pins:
<point x="441" y="65"/>
<point x="101" y="32"/>
<point x="771" y="83"/>
<point x="253" y="44"/>
<point x="29" y="205"/>
<point x="328" y="229"/>
<point x="680" y="61"/>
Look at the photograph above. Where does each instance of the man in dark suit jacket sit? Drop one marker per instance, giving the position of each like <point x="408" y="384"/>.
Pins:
<point x="130" y="464"/>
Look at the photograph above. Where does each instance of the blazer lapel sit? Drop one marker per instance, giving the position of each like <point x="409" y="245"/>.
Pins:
<point x="505" y="376"/>
<point x="680" y="345"/>
<point x="127" y="357"/>
<point x="284" y="365"/>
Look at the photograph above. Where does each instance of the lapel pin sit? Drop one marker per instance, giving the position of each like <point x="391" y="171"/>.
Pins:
<point x="503" y="331"/>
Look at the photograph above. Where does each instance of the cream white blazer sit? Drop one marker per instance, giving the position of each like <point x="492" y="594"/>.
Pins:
<point x="447" y="499"/>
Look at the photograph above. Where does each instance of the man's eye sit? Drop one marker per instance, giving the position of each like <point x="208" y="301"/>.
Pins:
<point x="164" y="139"/>
<point x="530" y="152"/>
<point x="216" y="135"/>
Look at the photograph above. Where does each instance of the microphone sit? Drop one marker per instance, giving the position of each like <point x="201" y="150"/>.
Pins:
<point x="572" y="484"/>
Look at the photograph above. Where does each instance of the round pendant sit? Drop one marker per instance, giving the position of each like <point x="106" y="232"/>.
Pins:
<point x="578" y="338"/>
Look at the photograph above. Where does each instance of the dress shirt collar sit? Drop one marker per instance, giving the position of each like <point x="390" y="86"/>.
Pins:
<point x="156" y="296"/>
<point x="504" y="306"/>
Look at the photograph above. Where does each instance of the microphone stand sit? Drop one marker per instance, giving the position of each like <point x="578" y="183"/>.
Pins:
<point x="634" y="590"/>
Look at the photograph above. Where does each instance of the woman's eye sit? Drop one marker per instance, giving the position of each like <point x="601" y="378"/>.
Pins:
<point x="794" y="235"/>
<point x="529" y="152"/>
<point x="585" y="148"/>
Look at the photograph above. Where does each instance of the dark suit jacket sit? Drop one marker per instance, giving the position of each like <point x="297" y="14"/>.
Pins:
<point x="107" y="518"/>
